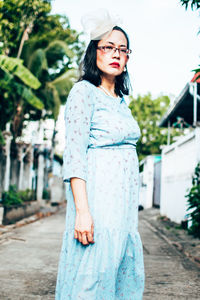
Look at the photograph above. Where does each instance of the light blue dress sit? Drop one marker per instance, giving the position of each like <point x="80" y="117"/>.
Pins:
<point x="101" y="136"/>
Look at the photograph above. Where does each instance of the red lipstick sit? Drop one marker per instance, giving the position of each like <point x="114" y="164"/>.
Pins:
<point x="115" y="65"/>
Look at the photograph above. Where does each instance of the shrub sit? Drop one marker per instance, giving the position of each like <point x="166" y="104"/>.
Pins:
<point x="194" y="203"/>
<point x="11" y="197"/>
<point x="27" y="195"/>
<point x="46" y="194"/>
<point x="14" y="197"/>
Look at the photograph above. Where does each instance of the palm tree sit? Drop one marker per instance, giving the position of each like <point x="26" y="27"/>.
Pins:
<point x="46" y="65"/>
<point x="49" y="65"/>
<point x="16" y="84"/>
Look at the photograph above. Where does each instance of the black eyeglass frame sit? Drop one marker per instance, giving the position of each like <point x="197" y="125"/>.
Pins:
<point x="111" y="48"/>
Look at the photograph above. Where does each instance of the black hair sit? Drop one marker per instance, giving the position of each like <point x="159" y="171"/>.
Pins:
<point x="92" y="73"/>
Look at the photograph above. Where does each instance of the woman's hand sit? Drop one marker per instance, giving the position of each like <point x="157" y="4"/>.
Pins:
<point x="84" y="228"/>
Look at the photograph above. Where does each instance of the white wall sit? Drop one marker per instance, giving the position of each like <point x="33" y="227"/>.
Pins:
<point x="40" y="176"/>
<point x="146" y="182"/>
<point x="178" y="163"/>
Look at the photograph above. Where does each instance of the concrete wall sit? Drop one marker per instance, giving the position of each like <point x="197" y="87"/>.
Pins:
<point x="146" y="182"/>
<point x="35" y="176"/>
<point x="27" y="178"/>
<point x="57" y="189"/>
<point x="40" y="177"/>
<point x="2" y="172"/>
<point x="1" y="214"/>
<point x="14" y="172"/>
<point x="178" y="163"/>
<point x="13" y="214"/>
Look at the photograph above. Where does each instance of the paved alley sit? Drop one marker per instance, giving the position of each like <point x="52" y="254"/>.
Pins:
<point x="169" y="274"/>
<point x="29" y="257"/>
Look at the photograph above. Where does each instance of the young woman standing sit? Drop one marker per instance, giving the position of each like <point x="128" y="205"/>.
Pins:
<point x="102" y="254"/>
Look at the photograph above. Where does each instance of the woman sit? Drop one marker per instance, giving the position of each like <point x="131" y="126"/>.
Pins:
<point x="102" y="255"/>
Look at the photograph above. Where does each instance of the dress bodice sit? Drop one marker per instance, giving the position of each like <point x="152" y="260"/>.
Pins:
<point x="94" y="120"/>
<point x="112" y="123"/>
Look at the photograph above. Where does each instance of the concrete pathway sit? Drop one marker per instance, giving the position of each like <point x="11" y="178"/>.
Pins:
<point x="169" y="273"/>
<point x="29" y="256"/>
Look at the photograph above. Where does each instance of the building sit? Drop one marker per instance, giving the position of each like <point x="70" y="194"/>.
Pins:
<point x="180" y="158"/>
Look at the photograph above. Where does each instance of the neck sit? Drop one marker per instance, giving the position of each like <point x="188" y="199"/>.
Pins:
<point x="109" y="84"/>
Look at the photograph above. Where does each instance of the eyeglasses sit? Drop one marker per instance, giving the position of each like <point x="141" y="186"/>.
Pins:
<point x="109" y="49"/>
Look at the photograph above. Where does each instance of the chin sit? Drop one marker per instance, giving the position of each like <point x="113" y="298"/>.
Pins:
<point x="113" y="73"/>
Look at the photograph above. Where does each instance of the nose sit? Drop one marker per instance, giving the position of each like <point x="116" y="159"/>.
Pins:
<point x="116" y="53"/>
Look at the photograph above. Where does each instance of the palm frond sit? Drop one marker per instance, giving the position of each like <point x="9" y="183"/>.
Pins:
<point x="64" y="83"/>
<point x="51" y="99"/>
<point x="15" y="67"/>
<point x="32" y="99"/>
<point x="38" y="62"/>
<point x="60" y="45"/>
<point x="56" y="51"/>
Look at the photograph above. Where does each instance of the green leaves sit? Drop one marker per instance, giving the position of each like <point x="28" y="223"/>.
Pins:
<point x="15" y="17"/>
<point x="64" y="83"/>
<point x="16" y="82"/>
<point x="194" y="203"/>
<point x="38" y="62"/>
<point x="9" y="84"/>
<point x="51" y="64"/>
<point x="52" y="99"/>
<point x="15" y="66"/>
<point x="11" y="197"/>
<point x="148" y="113"/>
<point x="51" y="51"/>
<point x="56" y="50"/>
<point x="32" y="99"/>
<point x="195" y="4"/>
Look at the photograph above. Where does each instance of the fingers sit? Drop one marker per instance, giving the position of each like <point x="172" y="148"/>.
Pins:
<point x="90" y="238"/>
<point x="85" y="237"/>
<point x="79" y="237"/>
<point x="92" y="229"/>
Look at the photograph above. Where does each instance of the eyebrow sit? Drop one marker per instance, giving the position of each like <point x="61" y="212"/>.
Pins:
<point x="114" y="44"/>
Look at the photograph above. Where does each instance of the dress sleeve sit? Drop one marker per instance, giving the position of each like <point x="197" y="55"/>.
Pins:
<point x="78" y="115"/>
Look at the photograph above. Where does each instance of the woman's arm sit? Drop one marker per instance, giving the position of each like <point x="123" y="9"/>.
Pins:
<point x="78" y="115"/>
<point x="84" y="226"/>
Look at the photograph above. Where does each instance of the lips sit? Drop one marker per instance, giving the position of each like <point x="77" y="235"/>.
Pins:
<point x="115" y="65"/>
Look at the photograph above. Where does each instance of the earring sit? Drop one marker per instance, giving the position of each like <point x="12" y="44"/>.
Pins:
<point x="125" y="69"/>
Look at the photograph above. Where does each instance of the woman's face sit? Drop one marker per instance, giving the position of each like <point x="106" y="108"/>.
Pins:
<point x="113" y="62"/>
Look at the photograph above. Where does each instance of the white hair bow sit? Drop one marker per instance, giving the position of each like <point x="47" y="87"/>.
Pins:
<point x="99" y="23"/>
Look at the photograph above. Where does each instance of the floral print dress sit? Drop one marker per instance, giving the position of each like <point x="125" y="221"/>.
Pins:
<point x="101" y="136"/>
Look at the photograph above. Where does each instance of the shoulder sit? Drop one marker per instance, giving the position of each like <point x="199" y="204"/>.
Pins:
<point x="80" y="96"/>
<point x="82" y="87"/>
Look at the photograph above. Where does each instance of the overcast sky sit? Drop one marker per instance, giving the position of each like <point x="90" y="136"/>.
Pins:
<point x="163" y="38"/>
